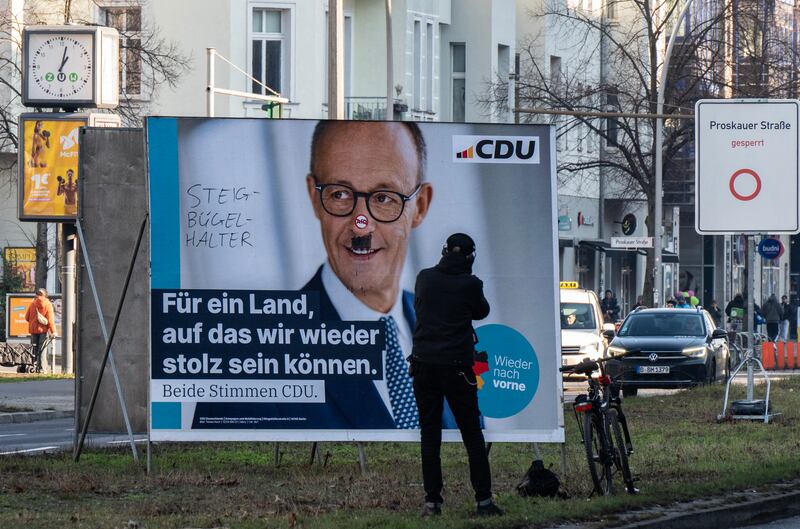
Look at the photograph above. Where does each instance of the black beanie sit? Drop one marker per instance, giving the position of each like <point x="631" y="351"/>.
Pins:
<point x="462" y="241"/>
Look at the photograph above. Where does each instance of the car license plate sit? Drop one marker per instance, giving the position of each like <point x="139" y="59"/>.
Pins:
<point x="652" y="370"/>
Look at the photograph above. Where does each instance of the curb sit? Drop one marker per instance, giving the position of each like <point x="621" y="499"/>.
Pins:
<point x="759" y="511"/>
<point x="32" y="416"/>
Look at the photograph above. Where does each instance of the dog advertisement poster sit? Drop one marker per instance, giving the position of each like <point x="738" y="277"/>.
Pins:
<point x="283" y="260"/>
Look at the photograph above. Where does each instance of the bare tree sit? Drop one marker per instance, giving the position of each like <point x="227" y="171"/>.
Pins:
<point x="148" y="62"/>
<point x="627" y="39"/>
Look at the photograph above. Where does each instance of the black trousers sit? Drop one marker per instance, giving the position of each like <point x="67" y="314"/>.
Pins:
<point x="772" y="329"/>
<point x="38" y="341"/>
<point x="433" y="384"/>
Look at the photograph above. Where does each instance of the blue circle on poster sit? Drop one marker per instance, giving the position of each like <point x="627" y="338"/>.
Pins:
<point x="510" y="377"/>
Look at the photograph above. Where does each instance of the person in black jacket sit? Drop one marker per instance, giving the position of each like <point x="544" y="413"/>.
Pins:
<point x="609" y="307"/>
<point x="447" y="298"/>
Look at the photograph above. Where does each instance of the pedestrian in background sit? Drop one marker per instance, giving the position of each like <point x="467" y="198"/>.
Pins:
<point x="447" y="298"/>
<point x="735" y="311"/>
<point x="681" y="303"/>
<point x="716" y="313"/>
<point x="609" y="307"/>
<point x="639" y="302"/>
<point x="772" y="314"/>
<point x="786" y="317"/>
<point x="41" y="324"/>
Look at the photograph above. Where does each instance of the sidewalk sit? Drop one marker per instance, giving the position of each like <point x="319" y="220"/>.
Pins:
<point x="47" y="399"/>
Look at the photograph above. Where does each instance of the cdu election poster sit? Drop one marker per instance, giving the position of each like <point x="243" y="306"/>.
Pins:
<point x="283" y="261"/>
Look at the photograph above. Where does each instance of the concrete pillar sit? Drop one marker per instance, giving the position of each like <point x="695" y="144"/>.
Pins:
<point x="70" y="241"/>
<point x="335" y="59"/>
<point x="568" y="272"/>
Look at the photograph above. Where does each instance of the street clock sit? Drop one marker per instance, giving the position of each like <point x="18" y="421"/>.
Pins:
<point x="70" y="67"/>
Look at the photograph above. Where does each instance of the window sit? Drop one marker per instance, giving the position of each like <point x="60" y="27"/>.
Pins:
<point x="503" y="71"/>
<point x="269" y="47"/>
<point x="577" y="317"/>
<point x="128" y="21"/>
<point x="612" y="124"/>
<point x="770" y="276"/>
<point x="458" y="54"/>
<point x="429" y="68"/>
<point x="417" y="65"/>
<point x="555" y="71"/>
<point x="611" y="9"/>
<point x="662" y="324"/>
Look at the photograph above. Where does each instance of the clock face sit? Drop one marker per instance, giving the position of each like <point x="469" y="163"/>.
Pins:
<point x="60" y="66"/>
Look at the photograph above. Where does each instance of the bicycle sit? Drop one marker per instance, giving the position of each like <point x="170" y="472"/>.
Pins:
<point x="604" y="428"/>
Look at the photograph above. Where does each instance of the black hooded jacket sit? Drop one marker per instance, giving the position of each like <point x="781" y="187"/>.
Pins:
<point x="447" y="298"/>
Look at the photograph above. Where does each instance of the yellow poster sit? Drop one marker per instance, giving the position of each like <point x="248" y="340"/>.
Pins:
<point x="50" y="168"/>
<point x="22" y="263"/>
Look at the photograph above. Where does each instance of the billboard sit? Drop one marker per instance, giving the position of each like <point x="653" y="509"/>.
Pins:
<point x="48" y="160"/>
<point x="22" y="264"/>
<point x="16" y="306"/>
<point x="282" y="283"/>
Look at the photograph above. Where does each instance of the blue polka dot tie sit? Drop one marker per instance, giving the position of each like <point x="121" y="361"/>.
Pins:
<point x="401" y="392"/>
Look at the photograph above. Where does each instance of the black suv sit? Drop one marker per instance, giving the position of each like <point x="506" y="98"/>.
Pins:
<point x="667" y="348"/>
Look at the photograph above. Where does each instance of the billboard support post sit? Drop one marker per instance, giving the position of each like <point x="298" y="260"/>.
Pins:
<point x="68" y="321"/>
<point x="362" y="458"/>
<point x="751" y="313"/>
<point x="109" y="339"/>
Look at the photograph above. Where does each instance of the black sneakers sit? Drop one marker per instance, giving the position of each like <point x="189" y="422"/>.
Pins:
<point x="488" y="509"/>
<point x="431" y="509"/>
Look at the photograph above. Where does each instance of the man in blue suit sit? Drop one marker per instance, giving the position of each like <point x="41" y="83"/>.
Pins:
<point x="367" y="187"/>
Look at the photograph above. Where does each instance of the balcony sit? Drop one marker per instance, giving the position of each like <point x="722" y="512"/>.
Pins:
<point x="365" y="108"/>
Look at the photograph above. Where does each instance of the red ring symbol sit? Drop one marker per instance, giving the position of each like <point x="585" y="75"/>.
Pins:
<point x="752" y="195"/>
<point x="361" y="222"/>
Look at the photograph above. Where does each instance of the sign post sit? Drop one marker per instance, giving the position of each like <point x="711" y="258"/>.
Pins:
<point x="746" y="182"/>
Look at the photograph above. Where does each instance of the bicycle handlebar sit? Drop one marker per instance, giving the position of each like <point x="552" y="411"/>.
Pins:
<point x="587" y="367"/>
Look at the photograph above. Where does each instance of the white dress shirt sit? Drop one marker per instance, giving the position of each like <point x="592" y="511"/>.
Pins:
<point x="350" y="308"/>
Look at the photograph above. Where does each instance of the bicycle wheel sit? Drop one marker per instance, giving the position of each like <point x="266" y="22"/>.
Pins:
<point x="619" y="450"/>
<point x="596" y="444"/>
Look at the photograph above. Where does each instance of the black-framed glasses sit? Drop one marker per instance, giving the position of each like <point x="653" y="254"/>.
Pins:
<point x="383" y="205"/>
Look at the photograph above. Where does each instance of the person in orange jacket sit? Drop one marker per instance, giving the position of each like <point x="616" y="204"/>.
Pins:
<point x="41" y="320"/>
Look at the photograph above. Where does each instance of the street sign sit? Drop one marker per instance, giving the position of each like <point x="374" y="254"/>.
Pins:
<point x="631" y="242"/>
<point x="746" y="166"/>
<point x="770" y="248"/>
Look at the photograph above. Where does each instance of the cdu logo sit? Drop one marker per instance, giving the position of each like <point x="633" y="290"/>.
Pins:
<point x="496" y="149"/>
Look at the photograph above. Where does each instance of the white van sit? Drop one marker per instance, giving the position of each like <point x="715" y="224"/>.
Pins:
<point x="581" y="325"/>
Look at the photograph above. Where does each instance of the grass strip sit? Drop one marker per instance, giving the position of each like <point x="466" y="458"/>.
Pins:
<point x="681" y="453"/>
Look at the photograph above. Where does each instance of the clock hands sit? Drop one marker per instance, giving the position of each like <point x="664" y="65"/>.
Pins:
<point x="64" y="60"/>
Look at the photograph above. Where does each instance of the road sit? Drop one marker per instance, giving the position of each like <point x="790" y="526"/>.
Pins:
<point x="44" y="436"/>
<point x="39" y="394"/>
<point x="788" y="523"/>
<point x="574" y="387"/>
<point x="51" y="436"/>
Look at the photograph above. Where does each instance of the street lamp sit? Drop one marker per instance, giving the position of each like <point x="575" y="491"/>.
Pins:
<point x="659" y="191"/>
